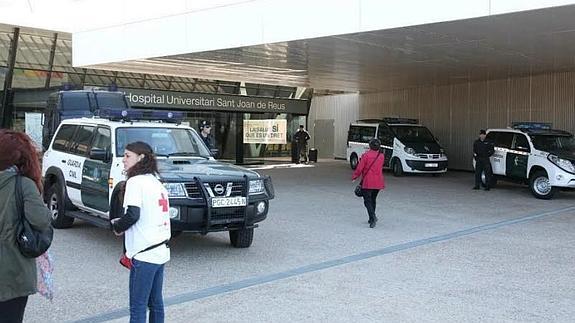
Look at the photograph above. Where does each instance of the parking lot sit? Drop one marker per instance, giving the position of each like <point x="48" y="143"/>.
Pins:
<point x="441" y="253"/>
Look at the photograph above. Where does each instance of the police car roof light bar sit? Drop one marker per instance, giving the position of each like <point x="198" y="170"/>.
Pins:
<point x="531" y="125"/>
<point x="129" y="115"/>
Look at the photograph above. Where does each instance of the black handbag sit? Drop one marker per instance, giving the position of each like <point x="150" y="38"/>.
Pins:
<point x="31" y="242"/>
<point x="358" y="190"/>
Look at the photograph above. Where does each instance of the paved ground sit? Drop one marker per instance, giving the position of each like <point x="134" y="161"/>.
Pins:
<point x="441" y="253"/>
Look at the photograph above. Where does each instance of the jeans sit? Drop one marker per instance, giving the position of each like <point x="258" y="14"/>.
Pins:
<point x="369" y="199"/>
<point x="146" y="282"/>
<point x="12" y="310"/>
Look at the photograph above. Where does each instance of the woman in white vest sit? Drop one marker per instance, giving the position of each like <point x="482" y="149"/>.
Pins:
<point x="146" y="228"/>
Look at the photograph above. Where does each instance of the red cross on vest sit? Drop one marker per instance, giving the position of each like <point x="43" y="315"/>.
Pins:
<point x="163" y="203"/>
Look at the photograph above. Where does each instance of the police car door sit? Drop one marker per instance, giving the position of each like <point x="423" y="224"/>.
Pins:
<point x="96" y="172"/>
<point x="76" y="156"/>
<point x="502" y="143"/>
<point x="385" y="135"/>
<point x="517" y="156"/>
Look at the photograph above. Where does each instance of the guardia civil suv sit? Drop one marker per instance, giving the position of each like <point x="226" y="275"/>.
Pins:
<point x="83" y="166"/>
<point x="535" y="154"/>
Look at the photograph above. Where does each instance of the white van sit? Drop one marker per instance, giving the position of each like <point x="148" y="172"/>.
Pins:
<point x="408" y="146"/>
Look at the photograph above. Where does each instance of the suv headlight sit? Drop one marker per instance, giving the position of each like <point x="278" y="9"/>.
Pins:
<point x="256" y="186"/>
<point x="409" y="150"/>
<point x="564" y="164"/>
<point x="175" y="189"/>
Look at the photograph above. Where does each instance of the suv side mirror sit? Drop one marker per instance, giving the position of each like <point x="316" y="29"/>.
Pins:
<point x="100" y="154"/>
<point x="214" y="152"/>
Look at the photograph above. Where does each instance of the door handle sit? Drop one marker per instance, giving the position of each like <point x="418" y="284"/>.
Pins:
<point x="63" y="161"/>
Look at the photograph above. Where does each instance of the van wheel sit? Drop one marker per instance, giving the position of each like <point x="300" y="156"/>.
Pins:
<point x="540" y="186"/>
<point x="57" y="205"/>
<point x="397" y="168"/>
<point x="353" y="161"/>
<point x="242" y="238"/>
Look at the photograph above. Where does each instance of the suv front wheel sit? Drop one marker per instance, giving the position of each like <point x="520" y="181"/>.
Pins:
<point x="242" y="238"/>
<point x="541" y="186"/>
<point x="57" y="207"/>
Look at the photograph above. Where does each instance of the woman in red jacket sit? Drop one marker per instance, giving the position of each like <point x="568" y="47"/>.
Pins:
<point x="370" y="167"/>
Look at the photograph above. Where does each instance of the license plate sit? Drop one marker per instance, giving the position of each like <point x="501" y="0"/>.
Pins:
<point x="229" y="201"/>
<point x="431" y="165"/>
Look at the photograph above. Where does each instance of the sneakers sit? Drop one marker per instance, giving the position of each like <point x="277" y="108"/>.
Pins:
<point x="475" y="187"/>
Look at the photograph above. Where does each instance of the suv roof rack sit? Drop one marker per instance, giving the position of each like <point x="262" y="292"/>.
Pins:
<point x="129" y="115"/>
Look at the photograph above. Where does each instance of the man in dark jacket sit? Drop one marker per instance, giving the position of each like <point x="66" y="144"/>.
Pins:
<point x="300" y="139"/>
<point x="482" y="150"/>
<point x="205" y="129"/>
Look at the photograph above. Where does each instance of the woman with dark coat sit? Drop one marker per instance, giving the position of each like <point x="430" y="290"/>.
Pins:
<point x="18" y="273"/>
<point x="370" y="167"/>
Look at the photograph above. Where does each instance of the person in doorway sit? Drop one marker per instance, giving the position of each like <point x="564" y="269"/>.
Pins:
<point x="370" y="168"/>
<point x="18" y="276"/>
<point x="482" y="150"/>
<point x="205" y="133"/>
<point x="146" y="228"/>
<point x="301" y="138"/>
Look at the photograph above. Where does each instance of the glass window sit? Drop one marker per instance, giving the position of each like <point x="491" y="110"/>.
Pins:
<point x="63" y="137"/>
<point x="521" y="143"/>
<point x="385" y="135"/>
<point x="83" y="138"/>
<point x="361" y="133"/>
<point x="501" y="139"/>
<point x="553" y="142"/>
<point x="102" y="139"/>
<point x="413" y="134"/>
<point x="164" y="141"/>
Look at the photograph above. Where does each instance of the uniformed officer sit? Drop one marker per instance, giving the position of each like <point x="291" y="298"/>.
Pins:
<point x="205" y="129"/>
<point x="300" y="139"/>
<point x="482" y="150"/>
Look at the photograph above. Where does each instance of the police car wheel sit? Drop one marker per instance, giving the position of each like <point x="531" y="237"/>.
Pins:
<point x="353" y="161"/>
<point x="397" y="168"/>
<point x="540" y="186"/>
<point x="57" y="208"/>
<point x="242" y="238"/>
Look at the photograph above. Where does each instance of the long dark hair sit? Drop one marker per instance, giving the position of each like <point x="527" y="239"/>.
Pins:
<point x="147" y="165"/>
<point x="17" y="149"/>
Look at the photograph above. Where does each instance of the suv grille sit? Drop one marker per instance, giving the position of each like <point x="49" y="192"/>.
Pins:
<point x="194" y="191"/>
<point x="227" y="215"/>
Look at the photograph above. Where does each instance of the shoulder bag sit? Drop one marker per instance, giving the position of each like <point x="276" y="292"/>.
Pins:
<point x="31" y="242"/>
<point x="358" y="190"/>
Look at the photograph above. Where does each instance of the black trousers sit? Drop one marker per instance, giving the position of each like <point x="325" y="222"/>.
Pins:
<point x="369" y="199"/>
<point x="482" y="164"/>
<point x="12" y="310"/>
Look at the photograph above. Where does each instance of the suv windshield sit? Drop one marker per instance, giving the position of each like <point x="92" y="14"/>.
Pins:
<point x="164" y="141"/>
<point x="413" y="134"/>
<point x="553" y="142"/>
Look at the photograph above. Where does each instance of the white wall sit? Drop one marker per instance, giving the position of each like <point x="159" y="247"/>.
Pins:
<point x="343" y="109"/>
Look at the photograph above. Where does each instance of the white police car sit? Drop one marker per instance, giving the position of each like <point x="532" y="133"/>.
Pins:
<point x="83" y="166"/>
<point x="535" y="154"/>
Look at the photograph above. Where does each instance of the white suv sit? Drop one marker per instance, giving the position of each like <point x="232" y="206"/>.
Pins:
<point x="83" y="166"/>
<point x="534" y="153"/>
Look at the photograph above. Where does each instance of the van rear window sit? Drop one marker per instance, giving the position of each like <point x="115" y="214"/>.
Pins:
<point x="361" y="133"/>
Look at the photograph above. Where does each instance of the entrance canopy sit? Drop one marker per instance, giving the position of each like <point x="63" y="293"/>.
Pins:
<point x="493" y="39"/>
